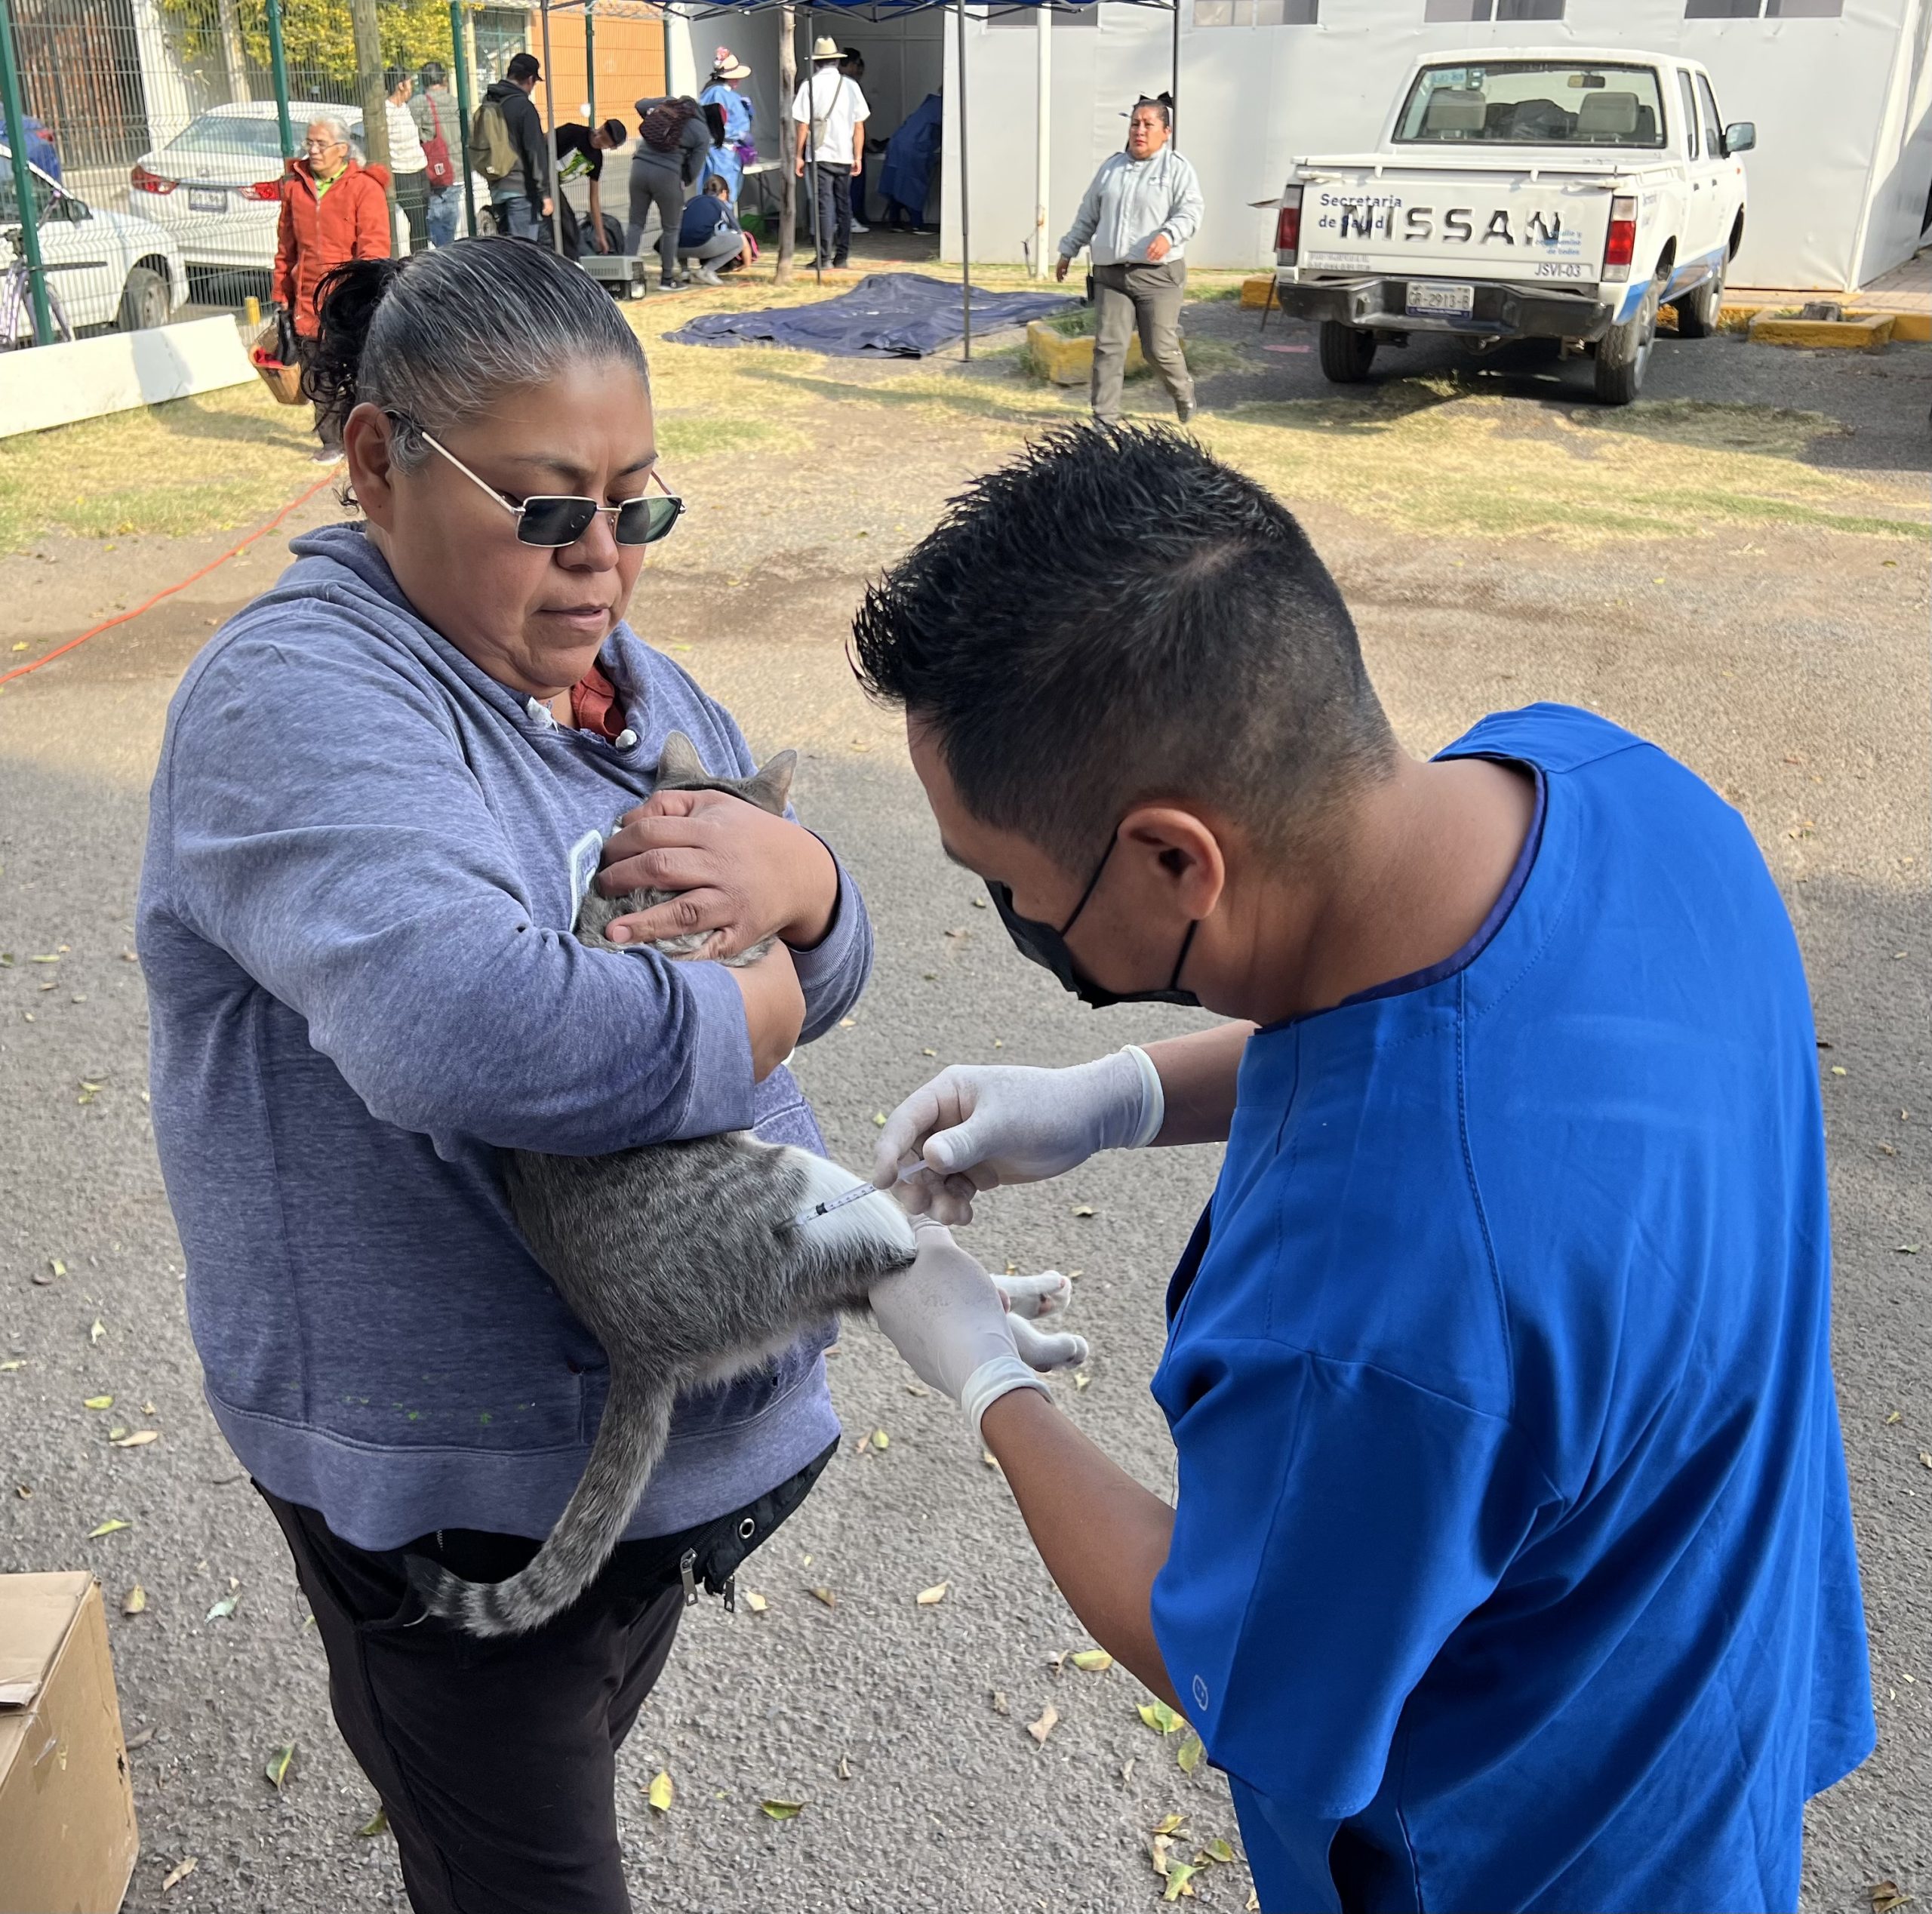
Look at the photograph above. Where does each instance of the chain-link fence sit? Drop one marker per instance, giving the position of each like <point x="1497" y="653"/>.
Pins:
<point x="156" y="135"/>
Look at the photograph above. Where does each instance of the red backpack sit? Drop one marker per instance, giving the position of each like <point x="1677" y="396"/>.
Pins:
<point x="436" y="150"/>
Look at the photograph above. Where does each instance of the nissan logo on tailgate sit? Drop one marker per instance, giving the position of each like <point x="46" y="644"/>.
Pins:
<point x="1370" y="219"/>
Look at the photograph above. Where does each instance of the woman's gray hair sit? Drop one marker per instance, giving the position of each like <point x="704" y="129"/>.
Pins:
<point x="336" y="124"/>
<point x="434" y="339"/>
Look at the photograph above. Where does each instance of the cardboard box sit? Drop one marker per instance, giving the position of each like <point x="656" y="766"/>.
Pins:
<point x="66" y="1805"/>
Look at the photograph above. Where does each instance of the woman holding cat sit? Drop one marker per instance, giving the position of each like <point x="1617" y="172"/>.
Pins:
<point x="384" y="790"/>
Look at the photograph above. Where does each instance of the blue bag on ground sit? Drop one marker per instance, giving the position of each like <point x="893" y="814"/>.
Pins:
<point x="906" y="314"/>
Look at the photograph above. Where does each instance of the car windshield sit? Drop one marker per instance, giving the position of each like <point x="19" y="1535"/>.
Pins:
<point x="1533" y="103"/>
<point x="228" y="134"/>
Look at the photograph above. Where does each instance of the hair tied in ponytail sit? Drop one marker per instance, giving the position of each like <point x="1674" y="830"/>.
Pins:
<point x="345" y="303"/>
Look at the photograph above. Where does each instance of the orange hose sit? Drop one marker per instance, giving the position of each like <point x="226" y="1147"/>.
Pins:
<point x="168" y="590"/>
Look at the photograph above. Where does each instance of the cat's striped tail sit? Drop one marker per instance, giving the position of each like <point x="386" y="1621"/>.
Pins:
<point x="630" y="1440"/>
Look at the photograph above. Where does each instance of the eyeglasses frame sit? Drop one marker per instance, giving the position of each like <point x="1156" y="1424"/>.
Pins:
<point x="516" y="508"/>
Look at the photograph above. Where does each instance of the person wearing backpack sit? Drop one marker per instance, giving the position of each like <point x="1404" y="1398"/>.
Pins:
<point x="438" y="127"/>
<point x="673" y="142"/>
<point x="507" y="146"/>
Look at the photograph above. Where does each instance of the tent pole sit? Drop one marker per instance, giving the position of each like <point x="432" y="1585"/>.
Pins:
<point x="1043" y="136"/>
<point x="1174" y="77"/>
<point x="965" y="218"/>
<point x="788" y="84"/>
<point x="550" y="135"/>
<point x="811" y="147"/>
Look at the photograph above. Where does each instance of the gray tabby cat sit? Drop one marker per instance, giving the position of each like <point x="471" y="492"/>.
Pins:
<point x="688" y="1261"/>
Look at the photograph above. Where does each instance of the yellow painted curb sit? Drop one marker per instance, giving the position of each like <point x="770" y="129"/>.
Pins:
<point x="1069" y="362"/>
<point x="1258" y="290"/>
<point x="1866" y="333"/>
<point x="1911" y="328"/>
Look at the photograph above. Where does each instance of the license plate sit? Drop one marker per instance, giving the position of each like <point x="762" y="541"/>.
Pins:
<point x="1449" y="300"/>
<point x="200" y="200"/>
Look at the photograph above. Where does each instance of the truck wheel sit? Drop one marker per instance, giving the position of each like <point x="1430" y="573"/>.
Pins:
<point x="1623" y="353"/>
<point x="1697" y="311"/>
<point x="144" y="301"/>
<point x="1347" y="353"/>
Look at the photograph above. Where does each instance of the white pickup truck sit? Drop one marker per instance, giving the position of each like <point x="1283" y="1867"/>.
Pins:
<point x="1562" y="194"/>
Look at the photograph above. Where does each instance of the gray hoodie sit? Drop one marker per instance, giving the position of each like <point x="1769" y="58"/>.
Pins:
<point x="363" y="858"/>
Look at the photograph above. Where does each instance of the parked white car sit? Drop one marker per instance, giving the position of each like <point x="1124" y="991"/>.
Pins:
<point x="1522" y="193"/>
<point x="106" y="269"/>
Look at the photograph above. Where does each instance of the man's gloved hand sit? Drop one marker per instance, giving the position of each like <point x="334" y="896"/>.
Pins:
<point x="947" y="1319"/>
<point x="976" y="1126"/>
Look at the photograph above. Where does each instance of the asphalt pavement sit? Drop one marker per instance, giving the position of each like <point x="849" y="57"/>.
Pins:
<point x="1791" y="671"/>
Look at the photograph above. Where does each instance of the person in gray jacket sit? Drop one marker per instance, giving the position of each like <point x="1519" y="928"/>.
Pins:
<point x="1137" y="218"/>
<point x="673" y="142"/>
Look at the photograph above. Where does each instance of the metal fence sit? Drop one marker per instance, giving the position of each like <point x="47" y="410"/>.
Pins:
<point x="153" y="135"/>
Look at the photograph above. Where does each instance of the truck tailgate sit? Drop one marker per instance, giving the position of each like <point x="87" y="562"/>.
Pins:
<point x="1516" y="222"/>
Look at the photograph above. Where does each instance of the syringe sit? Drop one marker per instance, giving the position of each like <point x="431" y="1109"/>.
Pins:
<point x="864" y="1190"/>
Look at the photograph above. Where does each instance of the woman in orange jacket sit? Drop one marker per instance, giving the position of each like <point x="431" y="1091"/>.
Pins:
<point x="334" y="209"/>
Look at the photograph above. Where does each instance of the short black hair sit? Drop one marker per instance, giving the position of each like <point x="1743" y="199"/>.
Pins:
<point x="393" y="77"/>
<point x="615" y="131"/>
<point x="523" y="67"/>
<point x="1115" y="617"/>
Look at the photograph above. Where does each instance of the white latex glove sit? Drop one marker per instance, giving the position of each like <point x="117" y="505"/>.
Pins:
<point x="976" y="1126"/>
<point x="947" y="1319"/>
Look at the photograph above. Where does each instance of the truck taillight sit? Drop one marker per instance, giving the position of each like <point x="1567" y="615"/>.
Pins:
<point x="1287" y="227"/>
<point x="143" y="181"/>
<point x="1619" y="246"/>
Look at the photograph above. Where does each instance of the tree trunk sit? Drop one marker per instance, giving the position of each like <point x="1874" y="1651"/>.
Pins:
<point x="788" y="87"/>
<point x="369" y="88"/>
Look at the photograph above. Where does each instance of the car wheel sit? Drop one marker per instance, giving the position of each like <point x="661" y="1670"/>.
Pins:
<point x="1697" y="311"/>
<point x="1623" y="353"/>
<point x="144" y="301"/>
<point x="1347" y="353"/>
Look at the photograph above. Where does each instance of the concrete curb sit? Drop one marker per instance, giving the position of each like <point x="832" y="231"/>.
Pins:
<point x="1864" y="332"/>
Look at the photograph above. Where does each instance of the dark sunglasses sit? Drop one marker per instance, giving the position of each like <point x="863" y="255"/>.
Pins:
<point x="555" y="519"/>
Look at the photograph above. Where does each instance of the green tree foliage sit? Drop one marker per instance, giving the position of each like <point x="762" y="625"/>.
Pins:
<point x="316" y="37"/>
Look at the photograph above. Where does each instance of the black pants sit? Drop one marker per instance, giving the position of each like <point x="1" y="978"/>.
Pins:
<point x="412" y="197"/>
<point x="496" y="1760"/>
<point x="833" y="185"/>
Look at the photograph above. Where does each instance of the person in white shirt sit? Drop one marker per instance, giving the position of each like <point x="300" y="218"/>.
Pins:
<point x="1143" y="208"/>
<point x="409" y="165"/>
<point x="830" y="112"/>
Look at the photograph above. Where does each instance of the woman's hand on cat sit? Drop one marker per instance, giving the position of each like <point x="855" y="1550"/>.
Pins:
<point x="741" y="874"/>
<point x="945" y="1317"/>
<point x="774" y="1008"/>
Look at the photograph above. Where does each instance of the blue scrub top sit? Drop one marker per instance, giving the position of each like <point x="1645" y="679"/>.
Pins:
<point x="1513" y="1566"/>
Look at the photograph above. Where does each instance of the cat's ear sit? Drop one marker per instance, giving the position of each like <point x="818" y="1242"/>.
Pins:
<point x="680" y="764"/>
<point x="773" y="784"/>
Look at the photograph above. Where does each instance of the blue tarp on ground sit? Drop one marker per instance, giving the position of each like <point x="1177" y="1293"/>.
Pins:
<point x="906" y="314"/>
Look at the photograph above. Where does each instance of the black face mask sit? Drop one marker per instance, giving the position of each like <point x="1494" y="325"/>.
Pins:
<point x="1048" y="947"/>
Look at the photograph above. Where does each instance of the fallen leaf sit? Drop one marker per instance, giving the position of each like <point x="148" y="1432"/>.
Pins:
<point x="1908" y="1249"/>
<point x="782" y="1810"/>
<point x="999" y="1701"/>
<point x="847" y="1023"/>
<point x="932" y="1597"/>
<point x="1126" y="1769"/>
<point x="99" y="1330"/>
<point x="826" y="1595"/>
<point x="377" y="1823"/>
<point x="1253" y="1903"/>
<point x="115" y="1434"/>
<point x="140" y="1739"/>
<point x="881" y="1440"/>
<point x="1082" y="1379"/>
<point x="223" y="1608"/>
<point x="990" y="1459"/>
<point x="1044" y="1726"/>
<point x="279" y="1763"/>
<point x="1160" y="1717"/>
<point x="756" y="1602"/>
<point x="1092" y="1661"/>
<point x="135" y="1440"/>
<point x="1896" y="1415"/>
<point x="917" y="1389"/>
<point x="149" y="1409"/>
<point x="1168" y="1824"/>
<point x="879" y="1119"/>
<point x="1925" y="1457"/>
<point x="844" y="1769"/>
<point x="98" y="1402"/>
<point x="928" y="1052"/>
<point x="17" y="1364"/>
<point x="1083" y="1209"/>
<point x="1188" y="1756"/>
<point x="1219" y="1850"/>
<point x="1886" y="1895"/>
<point x="1181" y="1879"/>
<point x="1838" y="1069"/>
<point x="660" y="1792"/>
<point x="109" y="1527"/>
<point x="134" y="1601"/>
<point x="176" y="1875"/>
<point x="979" y="904"/>
<point x="1157" y="1845"/>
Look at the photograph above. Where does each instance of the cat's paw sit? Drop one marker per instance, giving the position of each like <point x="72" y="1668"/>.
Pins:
<point x="1039" y="1349"/>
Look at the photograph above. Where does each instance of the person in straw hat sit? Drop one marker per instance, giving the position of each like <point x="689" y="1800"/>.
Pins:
<point x="831" y="112"/>
<point x="729" y="155"/>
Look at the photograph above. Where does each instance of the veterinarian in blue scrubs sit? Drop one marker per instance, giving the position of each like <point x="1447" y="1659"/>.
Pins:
<point x="1513" y="1564"/>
